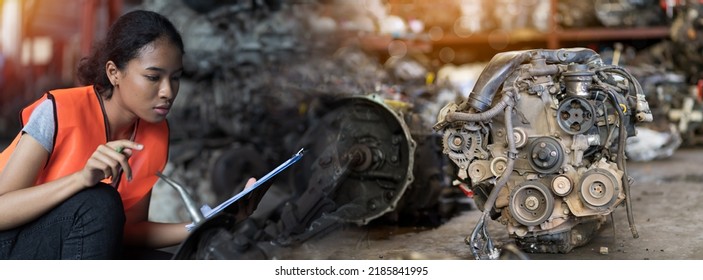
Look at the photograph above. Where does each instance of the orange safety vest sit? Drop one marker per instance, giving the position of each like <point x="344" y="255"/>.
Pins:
<point x="81" y="126"/>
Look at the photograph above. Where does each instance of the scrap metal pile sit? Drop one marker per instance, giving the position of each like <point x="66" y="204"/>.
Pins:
<point x="670" y="74"/>
<point x="672" y="71"/>
<point x="259" y="87"/>
<point x="612" y="13"/>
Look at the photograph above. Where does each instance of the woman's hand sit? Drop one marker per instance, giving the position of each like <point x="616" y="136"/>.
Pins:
<point x="250" y="183"/>
<point x="250" y="201"/>
<point x="107" y="160"/>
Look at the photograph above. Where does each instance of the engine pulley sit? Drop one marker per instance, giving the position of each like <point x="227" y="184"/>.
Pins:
<point x="575" y="115"/>
<point x="546" y="155"/>
<point x="599" y="188"/>
<point x="520" y="137"/>
<point x="561" y="185"/>
<point x="531" y="203"/>
<point x="499" y="165"/>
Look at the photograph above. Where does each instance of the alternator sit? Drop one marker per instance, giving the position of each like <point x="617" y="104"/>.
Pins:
<point x="541" y="140"/>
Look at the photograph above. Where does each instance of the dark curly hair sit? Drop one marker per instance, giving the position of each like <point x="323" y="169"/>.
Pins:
<point x="126" y="37"/>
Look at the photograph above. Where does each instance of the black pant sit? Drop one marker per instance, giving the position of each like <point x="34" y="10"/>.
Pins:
<point x="88" y="225"/>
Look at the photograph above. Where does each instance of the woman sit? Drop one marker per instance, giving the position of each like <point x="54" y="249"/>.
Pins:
<point x="76" y="182"/>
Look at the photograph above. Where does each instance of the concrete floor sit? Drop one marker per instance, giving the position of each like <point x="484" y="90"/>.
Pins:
<point x="668" y="212"/>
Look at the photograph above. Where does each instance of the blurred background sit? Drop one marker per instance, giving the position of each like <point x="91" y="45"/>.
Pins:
<point x="41" y="41"/>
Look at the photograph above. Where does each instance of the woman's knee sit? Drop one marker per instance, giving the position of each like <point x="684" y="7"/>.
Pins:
<point x="89" y="225"/>
<point x="100" y="202"/>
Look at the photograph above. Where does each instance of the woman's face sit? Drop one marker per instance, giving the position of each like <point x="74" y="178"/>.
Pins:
<point x="148" y="85"/>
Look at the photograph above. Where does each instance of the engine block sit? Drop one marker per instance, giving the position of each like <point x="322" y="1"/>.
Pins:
<point x="540" y="143"/>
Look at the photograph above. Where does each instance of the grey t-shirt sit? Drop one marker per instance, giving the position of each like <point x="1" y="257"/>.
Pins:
<point x="41" y="124"/>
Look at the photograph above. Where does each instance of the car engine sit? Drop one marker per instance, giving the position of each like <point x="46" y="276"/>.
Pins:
<point x="539" y="144"/>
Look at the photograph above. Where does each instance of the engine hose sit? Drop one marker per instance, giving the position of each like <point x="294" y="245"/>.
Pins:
<point x="604" y="87"/>
<point x="490" y="201"/>
<point x="493" y="76"/>
<point x="622" y="141"/>
<point x="512" y="151"/>
<point x="484" y="116"/>
<point x="623" y="72"/>
<point x="571" y="55"/>
<point x="642" y="111"/>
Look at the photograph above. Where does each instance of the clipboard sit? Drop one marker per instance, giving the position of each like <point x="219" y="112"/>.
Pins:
<point x="261" y="185"/>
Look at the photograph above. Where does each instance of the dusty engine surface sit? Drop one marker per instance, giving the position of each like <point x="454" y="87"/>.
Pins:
<point x="540" y="143"/>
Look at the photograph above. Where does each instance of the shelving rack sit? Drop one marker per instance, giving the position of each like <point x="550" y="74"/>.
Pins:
<point x="557" y="37"/>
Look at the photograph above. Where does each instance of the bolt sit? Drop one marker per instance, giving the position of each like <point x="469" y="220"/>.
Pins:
<point x="389" y="195"/>
<point x="543" y="155"/>
<point x="531" y="203"/>
<point x="457" y="141"/>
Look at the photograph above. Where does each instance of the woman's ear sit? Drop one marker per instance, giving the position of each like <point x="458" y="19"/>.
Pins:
<point x="112" y="73"/>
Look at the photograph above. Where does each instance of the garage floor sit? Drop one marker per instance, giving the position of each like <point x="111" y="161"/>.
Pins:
<point x="668" y="211"/>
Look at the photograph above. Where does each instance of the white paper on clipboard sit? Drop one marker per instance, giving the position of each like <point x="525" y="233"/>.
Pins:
<point x="210" y="212"/>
